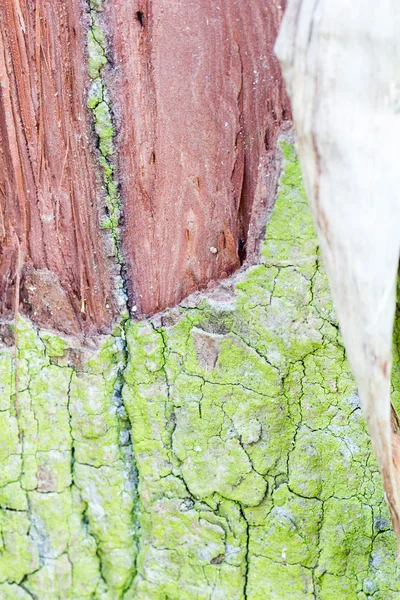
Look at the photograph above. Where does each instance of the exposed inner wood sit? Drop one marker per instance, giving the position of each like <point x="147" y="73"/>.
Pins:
<point x="199" y="102"/>
<point x="50" y="195"/>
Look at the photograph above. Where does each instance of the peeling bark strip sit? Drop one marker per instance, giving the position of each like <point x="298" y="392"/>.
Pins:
<point x="341" y="64"/>
<point x="49" y="193"/>
<point x="199" y="102"/>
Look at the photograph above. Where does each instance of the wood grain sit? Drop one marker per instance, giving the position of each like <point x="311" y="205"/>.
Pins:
<point x="199" y="102"/>
<point x="50" y="193"/>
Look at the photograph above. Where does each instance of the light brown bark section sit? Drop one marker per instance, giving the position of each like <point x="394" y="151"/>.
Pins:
<point x="49" y="191"/>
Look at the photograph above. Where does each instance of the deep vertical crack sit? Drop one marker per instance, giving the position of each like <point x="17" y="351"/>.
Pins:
<point x="101" y="109"/>
<point x="246" y="556"/>
<point x="130" y="456"/>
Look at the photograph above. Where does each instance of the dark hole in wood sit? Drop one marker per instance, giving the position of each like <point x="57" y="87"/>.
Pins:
<point x="140" y="17"/>
<point x="266" y="140"/>
<point x="242" y="250"/>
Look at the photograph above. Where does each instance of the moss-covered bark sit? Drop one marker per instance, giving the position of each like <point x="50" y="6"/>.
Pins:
<point x="215" y="452"/>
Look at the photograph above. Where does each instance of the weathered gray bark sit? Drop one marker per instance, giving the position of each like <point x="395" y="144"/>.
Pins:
<point x="341" y="65"/>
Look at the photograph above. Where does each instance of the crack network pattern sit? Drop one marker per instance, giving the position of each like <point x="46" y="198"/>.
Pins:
<point x="215" y="451"/>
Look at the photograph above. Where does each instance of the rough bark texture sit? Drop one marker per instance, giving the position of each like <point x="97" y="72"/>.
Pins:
<point x="50" y="196"/>
<point x="341" y="67"/>
<point x="199" y="103"/>
<point x="217" y="451"/>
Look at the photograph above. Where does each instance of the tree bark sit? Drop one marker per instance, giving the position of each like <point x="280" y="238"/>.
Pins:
<point x="51" y="200"/>
<point x="215" y="449"/>
<point x="345" y="92"/>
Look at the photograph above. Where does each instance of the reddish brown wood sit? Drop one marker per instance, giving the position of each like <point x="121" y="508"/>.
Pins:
<point x="50" y="194"/>
<point x="199" y="102"/>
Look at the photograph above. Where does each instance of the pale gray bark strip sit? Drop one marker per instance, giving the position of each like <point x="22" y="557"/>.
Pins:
<point x="341" y="65"/>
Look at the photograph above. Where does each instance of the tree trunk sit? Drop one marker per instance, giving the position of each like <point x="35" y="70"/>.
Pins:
<point x="177" y="416"/>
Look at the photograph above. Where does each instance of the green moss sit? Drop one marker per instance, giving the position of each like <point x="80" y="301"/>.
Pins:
<point x="289" y="533"/>
<point x="97" y="58"/>
<point x="99" y="105"/>
<point x="256" y="477"/>
<point x="252" y="400"/>
<point x="344" y="521"/>
<point x="67" y="483"/>
<point x="55" y="346"/>
<point x="13" y="592"/>
<point x="13" y="497"/>
<point x="18" y="553"/>
<point x="279" y="581"/>
<point x="7" y="379"/>
<point x="53" y="580"/>
<point x="96" y="5"/>
<point x="104" y="128"/>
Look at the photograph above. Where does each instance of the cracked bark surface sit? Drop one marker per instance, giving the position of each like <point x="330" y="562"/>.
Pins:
<point x="215" y="451"/>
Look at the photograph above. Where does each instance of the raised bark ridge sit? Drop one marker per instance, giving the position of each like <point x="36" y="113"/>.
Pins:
<point x="252" y="475"/>
<point x="51" y="201"/>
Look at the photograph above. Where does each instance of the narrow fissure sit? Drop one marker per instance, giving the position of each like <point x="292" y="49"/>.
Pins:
<point x="101" y="109"/>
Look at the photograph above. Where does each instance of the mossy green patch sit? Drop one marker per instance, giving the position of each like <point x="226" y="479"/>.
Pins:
<point x="251" y="400"/>
<point x="99" y="104"/>
<point x="67" y="483"/>
<point x="256" y="477"/>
